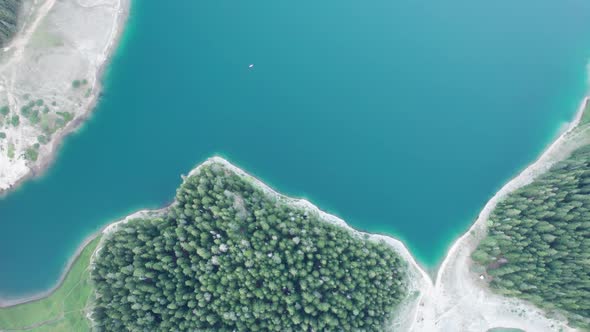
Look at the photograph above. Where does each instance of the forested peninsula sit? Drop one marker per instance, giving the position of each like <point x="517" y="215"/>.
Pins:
<point x="229" y="257"/>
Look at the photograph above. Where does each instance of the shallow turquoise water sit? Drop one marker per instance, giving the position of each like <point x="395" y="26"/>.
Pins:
<point x="401" y="116"/>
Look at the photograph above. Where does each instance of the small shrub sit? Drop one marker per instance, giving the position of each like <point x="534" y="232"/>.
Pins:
<point x="15" y="120"/>
<point x="34" y="117"/>
<point x="67" y="116"/>
<point x="10" y="150"/>
<point x="31" y="154"/>
<point x="78" y="83"/>
<point x="42" y="139"/>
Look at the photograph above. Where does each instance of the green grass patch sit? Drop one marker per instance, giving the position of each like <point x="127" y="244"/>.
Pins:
<point x="47" y="125"/>
<point x="10" y="152"/>
<point x="4" y="110"/>
<point x="2" y="135"/>
<point x="64" y="309"/>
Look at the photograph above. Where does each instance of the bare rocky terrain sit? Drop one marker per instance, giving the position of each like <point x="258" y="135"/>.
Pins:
<point x="50" y="78"/>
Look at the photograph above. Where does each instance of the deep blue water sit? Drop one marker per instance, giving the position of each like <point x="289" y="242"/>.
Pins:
<point x="400" y="116"/>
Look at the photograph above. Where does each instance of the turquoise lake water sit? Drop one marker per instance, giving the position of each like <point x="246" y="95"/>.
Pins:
<point x="400" y="116"/>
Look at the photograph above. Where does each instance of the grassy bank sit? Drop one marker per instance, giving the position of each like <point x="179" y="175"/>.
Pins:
<point x="62" y="310"/>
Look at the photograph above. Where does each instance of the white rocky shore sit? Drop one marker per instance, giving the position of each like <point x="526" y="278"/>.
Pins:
<point x="50" y="78"/>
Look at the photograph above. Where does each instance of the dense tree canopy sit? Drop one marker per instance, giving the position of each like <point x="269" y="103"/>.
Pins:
<point x="227" y="257"/>
<point x="9" y="11"/>
<point x="538" y="244"/>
